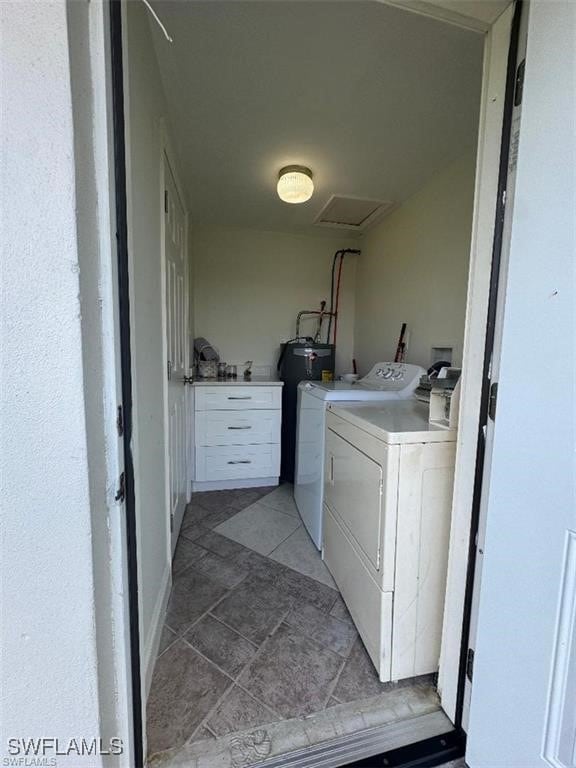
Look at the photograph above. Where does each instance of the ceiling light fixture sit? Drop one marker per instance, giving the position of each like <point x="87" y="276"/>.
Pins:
<point x="295" y="184"/>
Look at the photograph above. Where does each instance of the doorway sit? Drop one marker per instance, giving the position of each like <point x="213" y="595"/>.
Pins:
<point x="234" y="504"/>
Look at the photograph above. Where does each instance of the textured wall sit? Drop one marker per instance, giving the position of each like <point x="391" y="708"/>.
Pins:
<point x="49" y="663"/>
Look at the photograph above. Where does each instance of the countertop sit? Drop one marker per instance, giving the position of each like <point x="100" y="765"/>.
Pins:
<point x="255" y="381"/>
<point x="398" y="421"/>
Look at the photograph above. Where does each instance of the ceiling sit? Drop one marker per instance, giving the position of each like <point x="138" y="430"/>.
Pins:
<point x="373" y="98"/>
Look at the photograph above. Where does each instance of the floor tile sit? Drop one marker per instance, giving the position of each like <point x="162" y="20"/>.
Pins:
<point x="221" y="645"/>
<point x="259" y="527"/>
<point x="271" y="591"/>
<point x="187" y="553"/>
<point x="238" y="712"/>
<point x="298" y="552"/>
<point x="194" y="513"/>
<point x="223" y="571"/>
<point x="166" y="639"/>
<point x="339" y="609"/>
<point x="219" y="516"/>
<point x="244" y="497"/>
<point x="222" y="546"/>
<point x="359" y="679"/>
<point x="202" y="734"/>
<point x="212" y="501"/>
<point x="251" y="612"/>
<point x="192" y="530"/>
<point x="335" y="634"/>
<point x="192" y="595"/>
<point x="262" y="566"/>
<point x="309" y="590"/>
<point x="185" y="687"/>
<point x="292" y="674"/>
<point x="282" y="499"/>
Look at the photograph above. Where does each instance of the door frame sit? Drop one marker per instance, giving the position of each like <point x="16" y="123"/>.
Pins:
<point x="489" y="142"/>
<point x="167" y="156"/>
<point x="131" y="566"/>
<point x="497" y="101"/>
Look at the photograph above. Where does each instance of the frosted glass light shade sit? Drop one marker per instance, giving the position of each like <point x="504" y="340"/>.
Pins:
<point x="295" y="184"/>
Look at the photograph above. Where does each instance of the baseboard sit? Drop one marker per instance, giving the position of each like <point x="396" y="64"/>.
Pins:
<point x="152" y="644"/>
<point x="230" y="485"/>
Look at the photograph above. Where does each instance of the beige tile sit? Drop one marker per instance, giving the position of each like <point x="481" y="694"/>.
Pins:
<point x="298" y="552"/>
<point x="259" y="527"/>
<point x="282" y="499"/>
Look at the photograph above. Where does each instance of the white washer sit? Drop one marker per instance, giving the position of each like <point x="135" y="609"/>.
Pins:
<point x="386" y="381"/>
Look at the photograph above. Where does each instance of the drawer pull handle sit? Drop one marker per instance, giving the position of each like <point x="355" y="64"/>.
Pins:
<point x="243" y="397"/>
<point x="246" y="427"/>
<point x="243" y="461"/>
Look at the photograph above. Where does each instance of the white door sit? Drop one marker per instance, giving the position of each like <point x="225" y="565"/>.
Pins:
<point x="523" y="700"/>
<point x="494" y="362"/>
<point x="176" y="348"/>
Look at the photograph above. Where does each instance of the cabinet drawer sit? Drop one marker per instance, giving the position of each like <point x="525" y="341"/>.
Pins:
<point x="237" y="427"/>
<point x="237" y="462"/>
<point x="237" y="398"/>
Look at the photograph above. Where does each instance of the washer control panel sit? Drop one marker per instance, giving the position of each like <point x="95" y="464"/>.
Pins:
<point x="394" y="376"/>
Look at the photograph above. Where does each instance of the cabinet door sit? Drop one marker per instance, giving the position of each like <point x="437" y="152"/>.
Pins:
<point x="354" y="484"/>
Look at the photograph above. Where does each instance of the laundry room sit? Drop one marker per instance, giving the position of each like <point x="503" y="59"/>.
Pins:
<point x="300" y="193"/>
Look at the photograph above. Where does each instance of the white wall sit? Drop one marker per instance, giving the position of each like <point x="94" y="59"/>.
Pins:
<point x="145" y="110"/>
<point x="414" y="269"/>
<point x="249" y="285"/>
<point x="59" y="599"/>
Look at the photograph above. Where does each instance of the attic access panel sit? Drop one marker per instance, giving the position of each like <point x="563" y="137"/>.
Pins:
<point x="353" y="213"/>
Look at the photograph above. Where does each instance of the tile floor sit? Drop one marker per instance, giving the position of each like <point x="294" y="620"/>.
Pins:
<point x="256" y="631"/>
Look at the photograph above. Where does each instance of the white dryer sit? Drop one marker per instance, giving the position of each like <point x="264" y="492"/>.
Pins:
<point x="388" y="496"/>
<point x="386" y="381"/>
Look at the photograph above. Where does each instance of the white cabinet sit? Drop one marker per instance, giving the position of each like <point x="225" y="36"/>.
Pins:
<point x="386" y="529"/>
<point x="236" y="435"/>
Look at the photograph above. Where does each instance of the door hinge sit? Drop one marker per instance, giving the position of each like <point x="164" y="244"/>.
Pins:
<point x="121" y="492"/>
<point x="120" y="421"/>
<point x="519" y="85"/>
<point x="493" y="400"/>
<point x="470" y="664"/>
